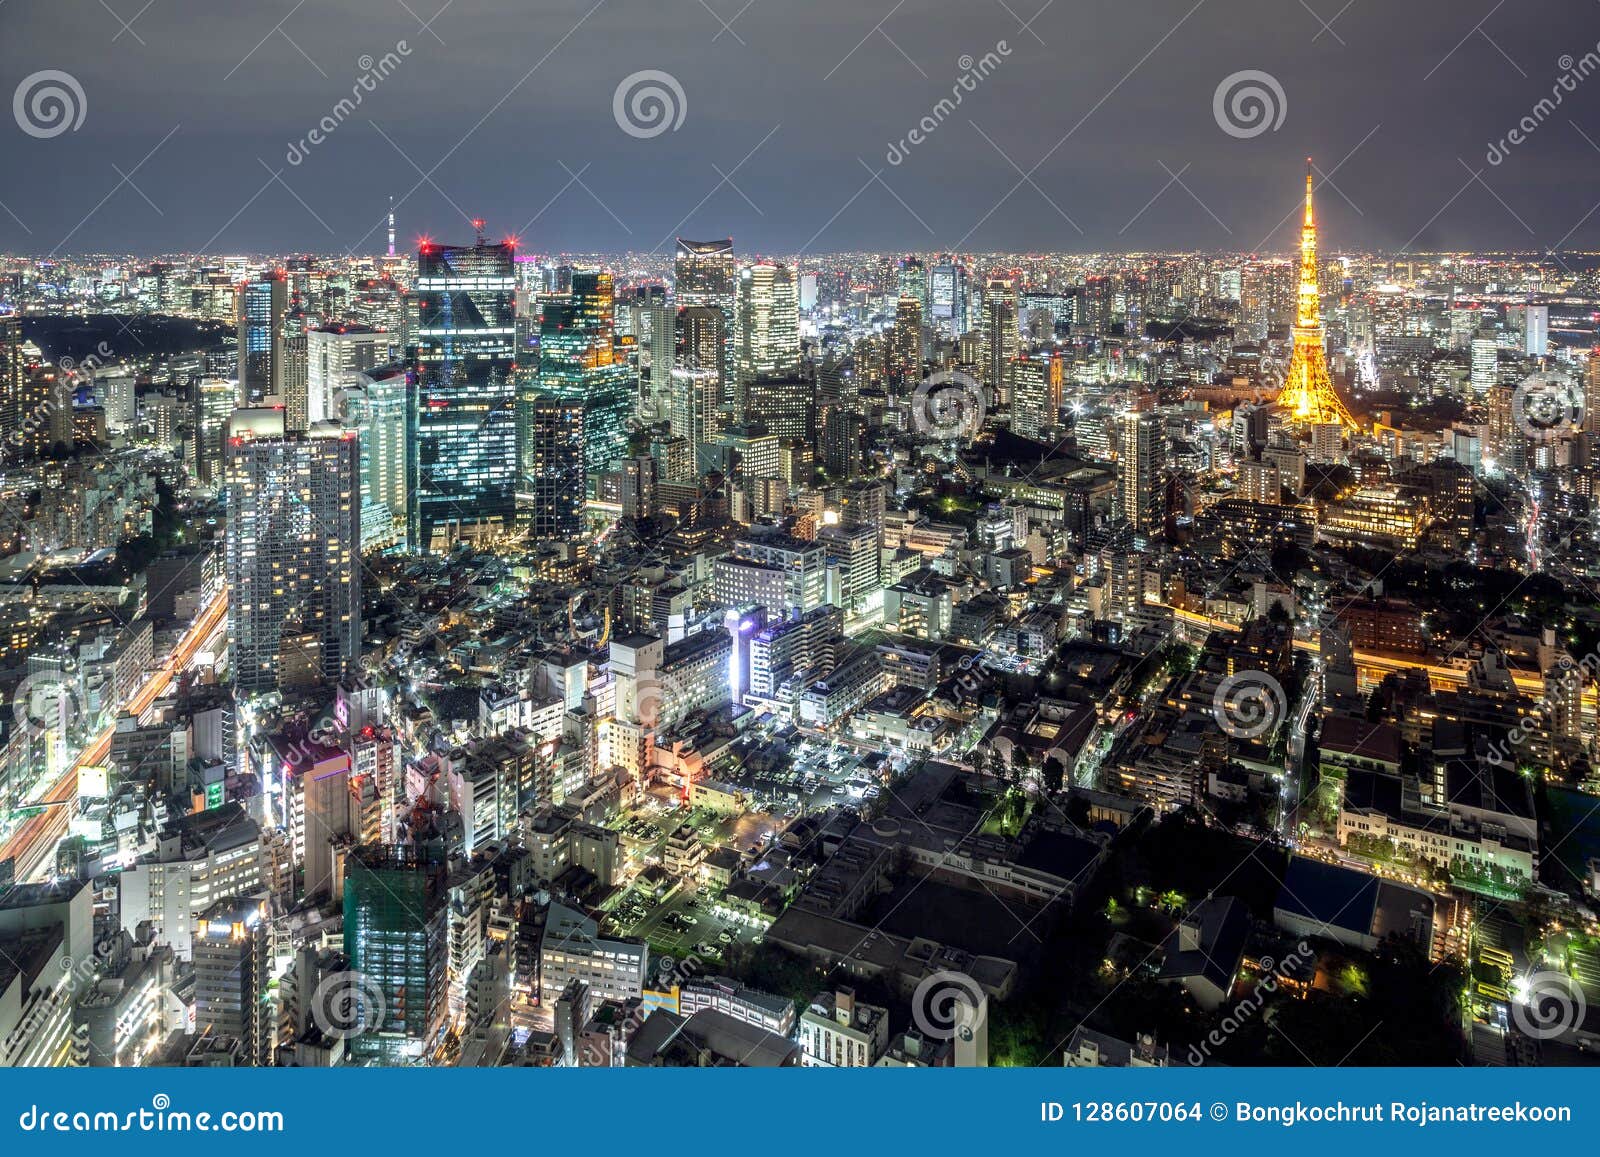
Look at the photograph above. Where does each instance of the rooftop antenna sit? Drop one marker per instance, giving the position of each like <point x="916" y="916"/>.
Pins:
<point x="391" y="224"/>
<point x="478" y="223"/>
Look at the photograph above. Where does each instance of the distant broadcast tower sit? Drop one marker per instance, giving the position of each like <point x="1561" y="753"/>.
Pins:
<point x="1308" y="394"/>
<point x="391" y="224"/>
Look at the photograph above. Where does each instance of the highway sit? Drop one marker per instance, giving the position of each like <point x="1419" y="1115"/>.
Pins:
<point x="35" y="841"/>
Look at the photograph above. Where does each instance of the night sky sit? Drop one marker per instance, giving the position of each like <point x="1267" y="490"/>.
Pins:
<point x="1104" y="103"/>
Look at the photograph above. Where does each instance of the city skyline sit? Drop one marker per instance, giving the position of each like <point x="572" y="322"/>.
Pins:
<point x="1057" y="558"/>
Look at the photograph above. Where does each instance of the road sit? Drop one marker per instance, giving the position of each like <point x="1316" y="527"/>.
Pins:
<point x="1295" y="757"/>
<point x="32" y="843"/>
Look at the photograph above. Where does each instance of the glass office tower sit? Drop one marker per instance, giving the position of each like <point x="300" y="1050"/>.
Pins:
<point x="462" y="464"/>
<point x="579" y="362"/>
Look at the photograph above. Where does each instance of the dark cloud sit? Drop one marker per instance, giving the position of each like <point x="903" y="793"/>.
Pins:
<point x="1105" y="105"/>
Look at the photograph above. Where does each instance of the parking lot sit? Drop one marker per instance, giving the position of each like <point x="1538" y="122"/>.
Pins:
<point x="690" y="922"/>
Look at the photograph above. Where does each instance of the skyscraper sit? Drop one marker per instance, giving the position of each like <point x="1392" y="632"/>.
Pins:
<point x="579" y="362"/>
<point x="947" y="299"/>
<point x="652" y="323"/>
<point x="375" y="407"/>
<point x="769" y="321"/>
<point x="463" y="448"/>
<point x="293" y="379"/>
<point x="998" y="338"/>
<point x="553" y="473"/>
<point x="705" y="273"/>
<point x="24" y="399"/>
<point x="260" y="306"/>
<point x="214" y="400"/>
<point x="336" y="355"/>
<point x="1037" y="401"/>
<point x="695" y="398"/>
<point x="1141" y="460"/>
<point x="913" y="280"/>
<point x="701" y="334"/>
<point x="902" y="358"/>
<point x="294" y="578"/>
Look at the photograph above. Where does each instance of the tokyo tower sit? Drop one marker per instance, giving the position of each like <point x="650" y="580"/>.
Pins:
<point x="1308" y="393"/>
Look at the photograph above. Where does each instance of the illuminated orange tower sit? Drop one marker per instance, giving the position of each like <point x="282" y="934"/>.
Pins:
<point x="1308" y="393"/>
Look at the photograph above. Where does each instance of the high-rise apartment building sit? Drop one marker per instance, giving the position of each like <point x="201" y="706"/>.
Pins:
<point x="294" y="575"/>
<point x="1141" y="461"/>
